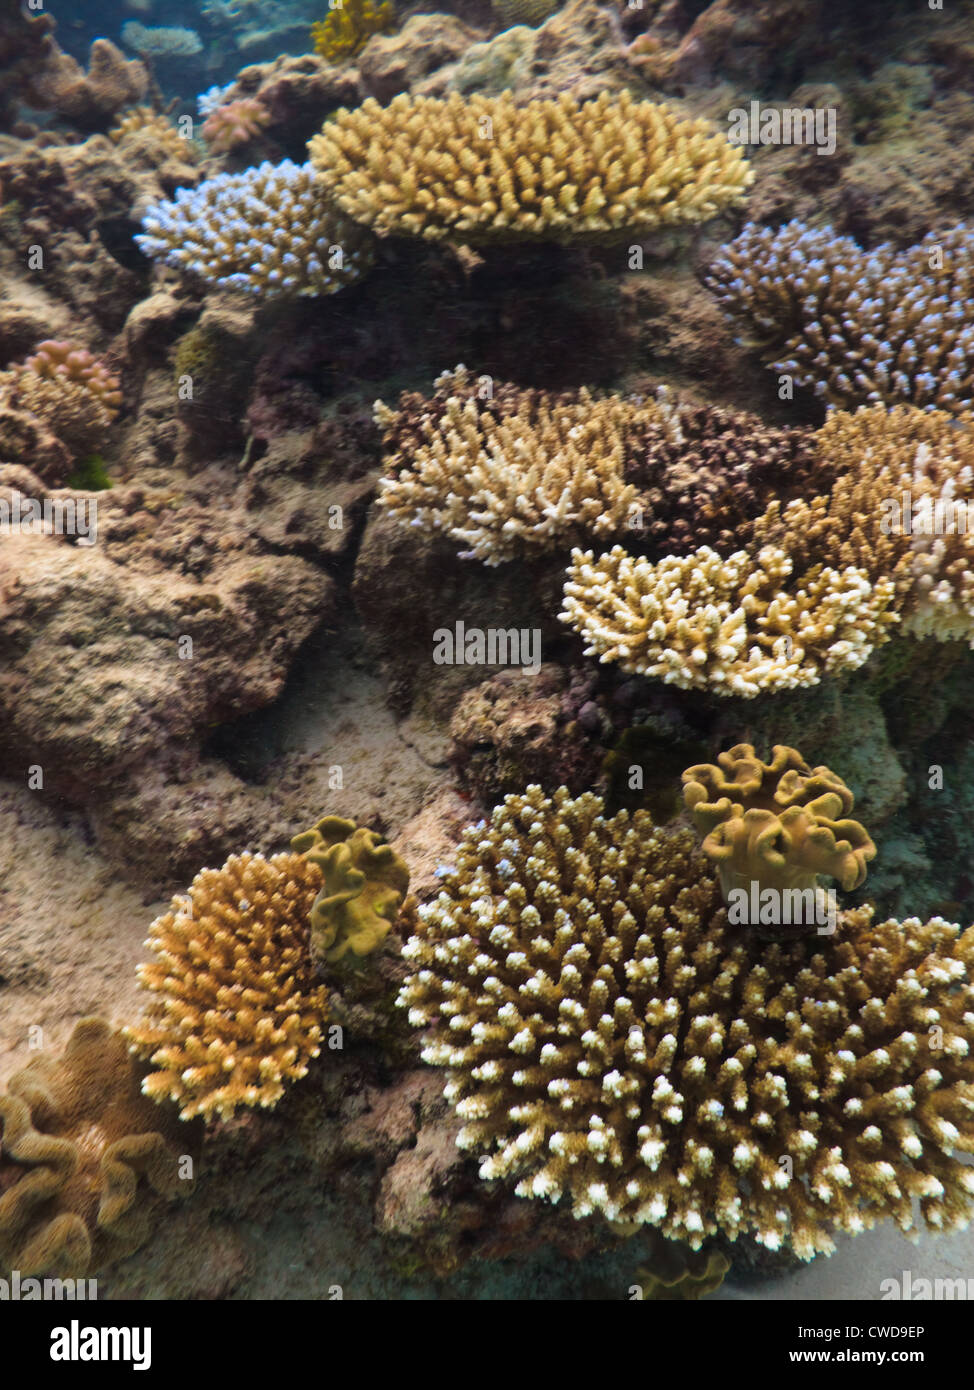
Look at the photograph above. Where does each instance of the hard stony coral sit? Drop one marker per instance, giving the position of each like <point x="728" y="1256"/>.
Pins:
<point x="528" y="474"/>
<point x="234" y="124"/>
<point x="736" y="626"/>
<point x="703" y="473"/>
<point x="142" y="121"/>
<point x="161" y="41"/>
<point x="483" y="169"/>
<point x="268" y="232"/>
<point x="84" y="1158"/>
<point x="237" y="1011"/>
<point x="610" y="1039"/>
<point x="67" y="388"/>
<point x="857" y="326"/>
<point x="779" y="824"/>
<point x="349" y="25"/>
<point x="898" y="508"/>
<point x="365" y="883"/>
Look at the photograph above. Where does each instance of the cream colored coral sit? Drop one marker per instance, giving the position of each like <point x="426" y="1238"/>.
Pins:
<point x="237" y="1011"/>
<point x="141" y="122"/>
<point x="483" y="168"/>
<point x="547" y="474"/>
<point x="612" y="1042"/>
<point x="736" y="626"/>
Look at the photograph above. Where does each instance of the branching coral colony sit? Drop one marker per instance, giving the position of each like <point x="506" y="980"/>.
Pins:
<point x="612" y="1040"/>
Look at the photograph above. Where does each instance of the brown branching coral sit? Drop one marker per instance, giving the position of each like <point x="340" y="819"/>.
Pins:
<point x="736" y="626"/>
<point x="611" y="1040"/>
<point x="483" y="169"/>
<point x="85" y="1159"/>
<point x="703" y="473"/>
<point x="532" y="473"/>
<point x="778" y="824"/>
<point x="237" y="1011"/>
<point x="365" y="883"/>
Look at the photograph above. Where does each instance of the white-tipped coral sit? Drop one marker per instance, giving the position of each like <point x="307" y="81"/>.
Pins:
<point x="736" y="626"/>
<point x="268" y="232"/>
<point x="612" y="1041"/>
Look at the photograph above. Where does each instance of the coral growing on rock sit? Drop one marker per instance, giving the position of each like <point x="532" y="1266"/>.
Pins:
<point x="66" y="387"/>
<point x="365" y="882"/>
<point x="236" y="1011"/>
<point x="540" y="472"/>
<point x="736" y="626"/>
<point x="530" y="12"/>
<point x="349" y="25"/>
<point x="857" y="326"/>
<point x="143" y="121"/>
<point x="268" y="232"/>
<point x="484" y="169"/>
<point x="234" y="123"/>
<point x="779" y="824"/>
<point x="84" y="1158"/>
<point x="611" y="1040"/>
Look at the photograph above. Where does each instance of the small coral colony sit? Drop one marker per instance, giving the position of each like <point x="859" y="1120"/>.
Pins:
<point x="638" y="1017"/>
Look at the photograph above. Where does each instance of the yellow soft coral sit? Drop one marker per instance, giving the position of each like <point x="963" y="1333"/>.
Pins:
<point x="348" y="27"/>
<point x="365" y="882"/>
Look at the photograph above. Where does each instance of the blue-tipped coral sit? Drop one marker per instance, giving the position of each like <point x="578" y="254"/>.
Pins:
<point x="858" y="327"/>
<point x="267" y="232"/>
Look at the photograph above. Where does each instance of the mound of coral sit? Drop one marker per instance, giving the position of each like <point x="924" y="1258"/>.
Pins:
<point x="611" y="1040"/>
<point x="857" y="326"/>
<point x="484" y="169"/>
<point x="86" y="1162"/>
<point x="268" y="232"/>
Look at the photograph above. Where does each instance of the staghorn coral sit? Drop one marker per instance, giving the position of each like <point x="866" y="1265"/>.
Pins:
<point x="237" y="1011"/>
<point x="66" y="387"/>
<point x="610" y="1040"/>
<point x="736" y="626"/>
<point x="483" y="169"/>
<point x="897" y="508"/>
<point x="84" y="1158"/>
<point x="365" y="883"/>
<point x="268" y="232"/>
<point x="234" y="123"/>
<point x="857" y="326"/>
<point x="349" y="25"/>
<point x="779" y="824"/>
<point x="532" y="473"/>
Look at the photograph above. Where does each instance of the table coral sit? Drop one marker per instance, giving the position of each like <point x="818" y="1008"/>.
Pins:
<point x="84" y="1158"/>
<point x="349" y="25"/>
<point x="736" y="626"/>
<point x="268" y="232"/>
<point x="483" y="169"/>
<point x="779" y="824"/>
<point x="237" y="1011"/>
<point x="167" y="42"/>
<point x="611" y="1040"/>
<point x="857" y="326"/>
<point x="532" y="472"/>
<point x="365" y="883"/>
